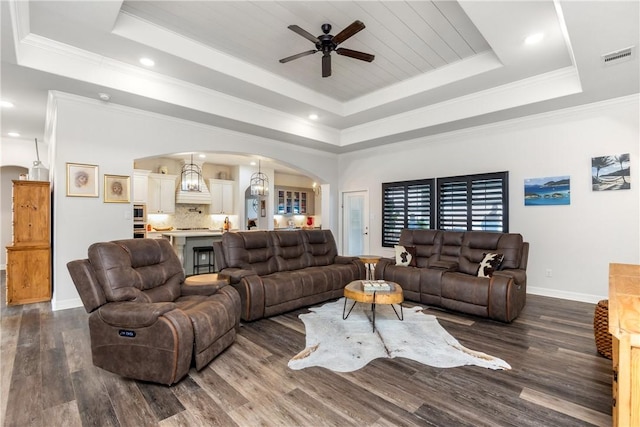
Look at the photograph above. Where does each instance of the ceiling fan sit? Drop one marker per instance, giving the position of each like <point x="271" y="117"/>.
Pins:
<point x="326" y="43"/>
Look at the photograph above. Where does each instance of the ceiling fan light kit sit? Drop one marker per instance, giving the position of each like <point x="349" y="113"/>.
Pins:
<point x="327" y="43"/>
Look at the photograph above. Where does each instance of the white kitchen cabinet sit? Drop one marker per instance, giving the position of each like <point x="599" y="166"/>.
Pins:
<point x="221" y="196"/>
<point x="162" y="194"/>
<point x="140" y="186"/>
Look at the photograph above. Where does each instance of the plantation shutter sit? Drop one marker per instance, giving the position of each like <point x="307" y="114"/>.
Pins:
<point x="393" y="213"/>
<point x="405" y="205"/>
<point x="473" y="202"/>
<point x="453" y="205"/>
<point x="487" y="204"/>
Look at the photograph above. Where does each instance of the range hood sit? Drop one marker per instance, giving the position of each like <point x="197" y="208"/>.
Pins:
<point x="192" y="189"/>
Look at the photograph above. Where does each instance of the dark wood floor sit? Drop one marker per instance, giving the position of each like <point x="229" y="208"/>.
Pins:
<point x="557" y="379"/>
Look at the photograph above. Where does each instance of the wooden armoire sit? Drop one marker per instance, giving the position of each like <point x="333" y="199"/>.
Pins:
<point x="29" y="255"/>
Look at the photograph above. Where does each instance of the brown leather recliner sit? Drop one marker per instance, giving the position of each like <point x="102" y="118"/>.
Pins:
<point x="145" y="323"/>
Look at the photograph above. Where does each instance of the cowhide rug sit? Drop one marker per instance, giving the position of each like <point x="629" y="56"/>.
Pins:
<point x="348" y="345"/>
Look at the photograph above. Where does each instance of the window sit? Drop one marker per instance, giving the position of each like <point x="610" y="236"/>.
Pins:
<point x="474" y="202"/>
<point x="471" y="202"/>
<point x="407" y="204"/>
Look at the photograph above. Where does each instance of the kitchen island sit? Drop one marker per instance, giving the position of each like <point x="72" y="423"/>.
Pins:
<point x="184" y="241"/>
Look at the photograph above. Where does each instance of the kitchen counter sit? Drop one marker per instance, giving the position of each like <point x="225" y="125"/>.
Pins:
<point x="191" y="233"/>
<point x="184" y="241"/>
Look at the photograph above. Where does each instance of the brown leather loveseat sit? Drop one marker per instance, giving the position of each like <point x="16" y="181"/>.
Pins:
<point x="145" y="323"/>
<point x="446" y="267"/>
<point x="279" y="271"/>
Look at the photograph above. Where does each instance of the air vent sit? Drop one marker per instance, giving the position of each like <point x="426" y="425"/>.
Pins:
<point x="618" y="56"/>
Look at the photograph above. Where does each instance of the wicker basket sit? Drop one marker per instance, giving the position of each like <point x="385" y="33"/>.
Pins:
<point x="601" y="329"/>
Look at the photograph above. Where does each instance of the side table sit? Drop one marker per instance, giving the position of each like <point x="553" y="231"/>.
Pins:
<point x="370" y="262"/>
<point x="207" y="283"/>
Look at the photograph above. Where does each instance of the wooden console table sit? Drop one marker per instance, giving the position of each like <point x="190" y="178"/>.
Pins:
<point x="624" y="326"/>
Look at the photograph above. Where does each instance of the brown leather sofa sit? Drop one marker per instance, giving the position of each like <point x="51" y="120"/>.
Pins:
<point x="445" y="274"/>
<point x="279" y="271"/>
<point x="145" y="323"/>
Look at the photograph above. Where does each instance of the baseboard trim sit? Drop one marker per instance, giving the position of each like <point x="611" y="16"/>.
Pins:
<point x="66" y="304"/>
<point x="573" y="296"/>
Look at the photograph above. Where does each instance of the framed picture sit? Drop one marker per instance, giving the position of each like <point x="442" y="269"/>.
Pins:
<point x="611" y="172"/>
<point x="263" y="208"/>
<point x="82" y="180"/>
<point x="117" y="188"/>
<point x="551" y="190"/>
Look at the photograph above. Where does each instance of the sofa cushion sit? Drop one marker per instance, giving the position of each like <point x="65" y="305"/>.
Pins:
<point x="290" y="251"/>
<point x="490" y="263"/>
<point x="426" y="242"/>
<point x="250" y="251"/>
<point x="143" y="270"/>
<point x="405" y="256"/>
<point x="321" y="247"/>
<point x="451" y="244"/>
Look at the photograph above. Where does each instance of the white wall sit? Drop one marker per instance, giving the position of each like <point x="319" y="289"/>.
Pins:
<point x="577" y="242"/>
<point x="92" y="132"/>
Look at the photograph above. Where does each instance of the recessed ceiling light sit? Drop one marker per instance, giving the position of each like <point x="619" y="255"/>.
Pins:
<point x="6" y="104"/>
<point x="253" y="163"/>
<point x="534" y="38"/>
<point x="14" y="134"/>
<point x="313" y="116"/>
<point x="147" y="62"/>
<point x="202" y="156"/>
<point x="104" y="96"/>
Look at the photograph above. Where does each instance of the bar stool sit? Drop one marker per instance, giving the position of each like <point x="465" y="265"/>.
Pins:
<point x="199" y="263"/>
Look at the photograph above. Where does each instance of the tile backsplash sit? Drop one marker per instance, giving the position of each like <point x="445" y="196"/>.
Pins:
<point x="191" y="216"/>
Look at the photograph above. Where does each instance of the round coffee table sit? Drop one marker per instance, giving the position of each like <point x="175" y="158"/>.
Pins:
<point x="355" y="291"/>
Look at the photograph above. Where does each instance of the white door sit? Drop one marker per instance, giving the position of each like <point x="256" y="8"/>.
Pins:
<point x="355" y="223"/>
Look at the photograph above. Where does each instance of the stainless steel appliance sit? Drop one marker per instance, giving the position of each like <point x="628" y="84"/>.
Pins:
<point x="139" y="221"/>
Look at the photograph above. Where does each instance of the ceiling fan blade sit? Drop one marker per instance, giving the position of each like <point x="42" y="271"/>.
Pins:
<point x="326" y="65"/>
<point x="304" y="33"/>
<point x="352" y="29"/>
<point x="296" y="56"/>
<point x="355" y="54"/>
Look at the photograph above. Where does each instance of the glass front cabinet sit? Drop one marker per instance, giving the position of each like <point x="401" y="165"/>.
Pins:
<point x="294" y="201"/>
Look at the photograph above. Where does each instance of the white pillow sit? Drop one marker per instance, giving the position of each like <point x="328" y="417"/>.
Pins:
<point x="405" y="255"/>
<point x="490" y="263"/>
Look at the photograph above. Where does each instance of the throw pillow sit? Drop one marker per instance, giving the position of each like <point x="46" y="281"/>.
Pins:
<point x="490" y="263"/>
<point x="405" y="256"/>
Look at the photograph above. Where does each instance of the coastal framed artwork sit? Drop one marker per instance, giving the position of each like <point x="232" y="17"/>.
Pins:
<point x="82" y="180"/>
<point x="611" y="172"/>
<point x="117" y="188"/>
<point x="547" y="191"/>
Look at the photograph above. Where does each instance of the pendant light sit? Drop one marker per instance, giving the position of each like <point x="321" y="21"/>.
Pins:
<point x="190" y="177"/>
<point x="259" y="183"/>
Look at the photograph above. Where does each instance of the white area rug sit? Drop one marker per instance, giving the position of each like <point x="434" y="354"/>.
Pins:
<point x="348" y="345"/>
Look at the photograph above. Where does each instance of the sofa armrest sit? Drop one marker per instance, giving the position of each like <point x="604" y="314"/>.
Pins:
<point x="134" y="314"/>
<point x="236" y="274"/>
<point x="381" y="265"/>
<point x="519" y="276"/>
<point x="507" y="295"/>
<point x="252" y="296"/>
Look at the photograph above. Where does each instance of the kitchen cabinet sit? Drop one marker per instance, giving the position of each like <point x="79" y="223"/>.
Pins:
<point x="29" y="256"/>
<point x="162" y="194"/>
<point x="294" y="201"/>
<point x="140" y="185"/>
<point x="221" y="196"/>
